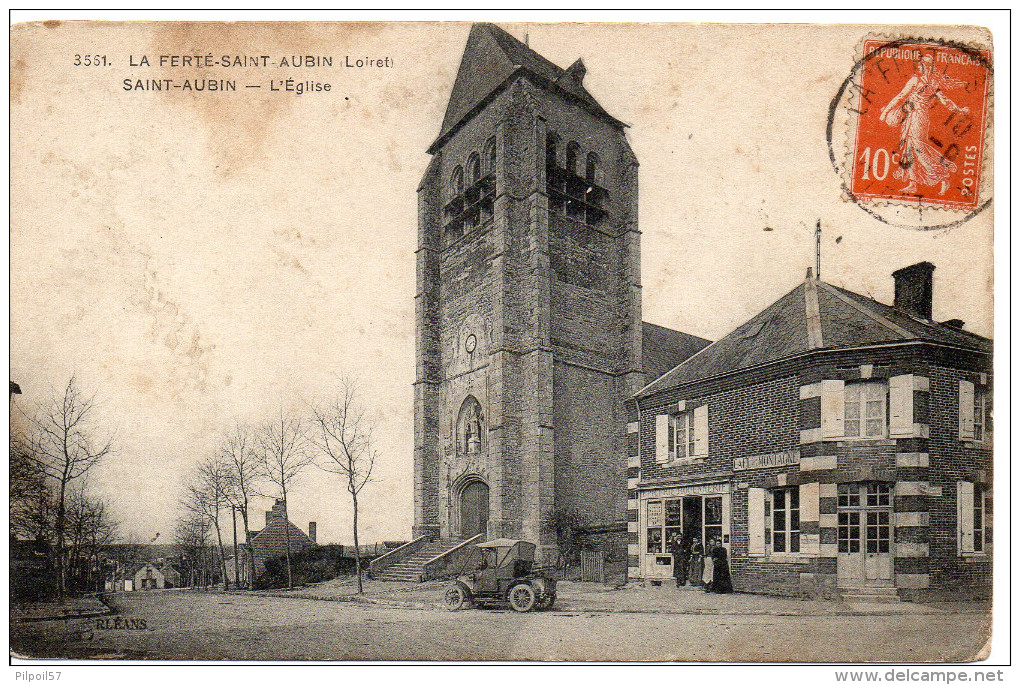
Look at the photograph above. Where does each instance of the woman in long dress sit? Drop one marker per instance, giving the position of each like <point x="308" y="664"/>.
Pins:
<point x="920" y="161"/>
<point x="697" y="562"/>
<point x="709" y="563"/>
<point x="721" y="581"/>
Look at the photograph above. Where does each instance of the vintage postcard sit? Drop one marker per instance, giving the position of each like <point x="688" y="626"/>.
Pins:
<point x="459" y="341"/>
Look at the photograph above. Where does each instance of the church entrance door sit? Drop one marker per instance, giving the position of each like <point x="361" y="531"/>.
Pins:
<point x="474" y="509"/>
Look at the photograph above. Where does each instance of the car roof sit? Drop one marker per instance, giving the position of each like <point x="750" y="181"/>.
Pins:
<point x="502" y="542"/>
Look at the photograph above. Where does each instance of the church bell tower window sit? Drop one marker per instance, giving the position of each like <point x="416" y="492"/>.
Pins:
<point x="576" y="196"/>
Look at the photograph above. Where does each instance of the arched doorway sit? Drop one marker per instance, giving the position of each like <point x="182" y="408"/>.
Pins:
<point x="474" y="509"/>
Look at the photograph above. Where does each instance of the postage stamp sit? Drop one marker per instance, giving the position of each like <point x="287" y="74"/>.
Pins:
<point x="916" y="113"/>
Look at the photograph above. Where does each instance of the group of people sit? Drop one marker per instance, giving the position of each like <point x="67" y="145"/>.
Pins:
<point x="708" y="567"/>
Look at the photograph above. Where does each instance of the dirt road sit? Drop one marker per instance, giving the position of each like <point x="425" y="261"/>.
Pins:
<point x="201" y="626"/>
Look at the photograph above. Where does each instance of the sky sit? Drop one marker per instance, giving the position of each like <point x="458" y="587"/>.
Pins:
<point x="201" y="259"/>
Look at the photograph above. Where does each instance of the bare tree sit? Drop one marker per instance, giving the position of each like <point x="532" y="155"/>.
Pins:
<point x="239" y="454"/>
<point x="30" y="497"/>
<point x="191" y="536"/>
<point x="343" y="436"/>
<point x="213" y="481"/>
<point x="89" y="529"/>
<point x="65" y="449"/>
<point x="207" y="496"/>
<point x="283" y="455"/>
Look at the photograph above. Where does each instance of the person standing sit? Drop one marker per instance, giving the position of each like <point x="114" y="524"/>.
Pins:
<point x="708" y="572"/>
<point x="697" y="565"/>
<point x="721" y="581"/>
<point x="676" y="548"/>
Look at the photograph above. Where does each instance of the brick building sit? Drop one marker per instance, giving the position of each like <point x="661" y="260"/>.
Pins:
<point x="832" y="443"/>
<point x="271" y="541"/>
<point x="528" y="307"/>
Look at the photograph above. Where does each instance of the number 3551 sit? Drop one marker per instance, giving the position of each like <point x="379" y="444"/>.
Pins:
<point x="91" y="61"/>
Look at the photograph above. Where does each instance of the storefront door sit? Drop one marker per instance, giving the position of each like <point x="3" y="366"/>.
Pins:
<point x="690" y="516"/>
<point x="864" y="535"/>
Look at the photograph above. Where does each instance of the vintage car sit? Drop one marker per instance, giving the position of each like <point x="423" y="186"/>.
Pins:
<point x="504" y="574"/>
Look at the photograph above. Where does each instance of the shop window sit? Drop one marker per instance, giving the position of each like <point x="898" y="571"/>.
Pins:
<point x="783" y="515"/>
<point x="864" y="410"/>
<point x="713" y="518"/>
<point x="674" y="521"/>
<point x="653" y="516"/>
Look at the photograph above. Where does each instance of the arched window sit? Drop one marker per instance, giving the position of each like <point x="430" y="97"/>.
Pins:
<point x="552" y="142"/>
<point x="573" y="152"/>
<point x="457" y="181"/>
<point x="489" y="156"/>
<point x="474" y="169"/>
<point x="592" y="170"/>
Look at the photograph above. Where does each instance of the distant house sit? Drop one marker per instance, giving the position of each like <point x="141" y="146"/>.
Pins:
<point x="148" y="575"/>
<point x="271" y="541"/>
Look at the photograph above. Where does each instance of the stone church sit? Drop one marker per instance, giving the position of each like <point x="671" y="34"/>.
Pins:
<point x="529" y="336"/>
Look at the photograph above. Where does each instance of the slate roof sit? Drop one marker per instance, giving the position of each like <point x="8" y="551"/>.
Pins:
<point x="787" y="328"/>
<point x="271" y="540"/>
<point x="491" y="59"/>
<point x="663" y="348"/>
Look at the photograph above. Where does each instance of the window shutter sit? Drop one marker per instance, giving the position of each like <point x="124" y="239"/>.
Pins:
<point x="901" y="406"/>
<point x="809" y="494"/>
<point x="662" y="438"/>
<point x="701" y="431"/>
<point x="832" y="409"/>
<point x="965" y="516"/>
<point x="756" y="521"/>
<point x="966" y="410"/>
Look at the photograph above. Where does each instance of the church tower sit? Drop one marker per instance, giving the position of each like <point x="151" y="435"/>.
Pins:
<point x="528" y="304"/>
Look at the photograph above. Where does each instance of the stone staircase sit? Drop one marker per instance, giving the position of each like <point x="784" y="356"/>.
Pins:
<point x="410" y="570"/>
<point x="870" y="595"/>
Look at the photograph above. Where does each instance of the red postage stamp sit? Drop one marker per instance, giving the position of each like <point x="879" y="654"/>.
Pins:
<point x="920" y="123"/>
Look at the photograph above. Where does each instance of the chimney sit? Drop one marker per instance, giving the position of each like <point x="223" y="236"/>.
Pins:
<point x="269" y="516"/>
<point x="311" y="530"/>
<point x="914" y="289"/>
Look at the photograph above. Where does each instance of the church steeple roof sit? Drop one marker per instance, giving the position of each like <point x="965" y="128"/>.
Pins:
<point x="491" y="61"/>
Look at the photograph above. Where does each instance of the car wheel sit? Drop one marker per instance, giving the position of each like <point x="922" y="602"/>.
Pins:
<point x="522" y="597"/>
<point x="455" y="598"/>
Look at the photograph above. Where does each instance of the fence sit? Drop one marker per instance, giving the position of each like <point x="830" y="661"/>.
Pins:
<point x="593" y="566"/>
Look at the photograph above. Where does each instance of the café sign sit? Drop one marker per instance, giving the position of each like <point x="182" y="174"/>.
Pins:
<point x="766" y="461"/>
